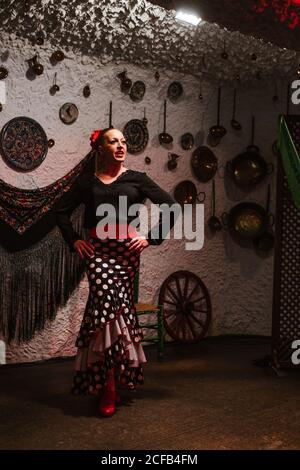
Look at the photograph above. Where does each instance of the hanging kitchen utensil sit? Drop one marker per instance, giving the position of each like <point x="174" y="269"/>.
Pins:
<point x="110" y="116"/>
<point x="252" y="147"/>
<point x="57" y="56"/>
<point x="38" y="68"/>
<point x="145" y="120"/>
<point x="185" y="192"/>
<point x="23" y="143"/>
<point x="246" y="220"/>
<point x="200" y="96"/>
<point x="234" y="123"/>
<point x="204" y="163"/>
<point x="125" y="82"/>
<point x="40" y="38"/>
<point x="175" y="90"/>
<point x="249" y="168"/>
<point x="54" y="88"/>
<point x="35" y="66"/>
<point x="137" y="91"/>
<point x="3" y="73"/>
<point x="172" y="163"/>
<point x="68" y="113"/>
<point x="86" y="91"/>
<point x="164" y="137"/>
<point x="218" y="131"/>
<point x="136" y="135"/>
<point x="265" y="241"/>
<point x="187" y="141"/>
<point x="224" y="54"/>
<point x="214" y="223"/>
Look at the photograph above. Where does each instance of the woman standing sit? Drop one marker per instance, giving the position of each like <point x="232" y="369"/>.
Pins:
<point x="110" y="340"/>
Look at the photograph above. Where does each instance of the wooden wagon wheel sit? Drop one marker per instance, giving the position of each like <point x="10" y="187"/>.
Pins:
<point x="186" y="306"/>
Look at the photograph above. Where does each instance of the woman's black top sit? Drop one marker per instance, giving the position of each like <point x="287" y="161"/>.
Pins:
<point x="88" y="189"/>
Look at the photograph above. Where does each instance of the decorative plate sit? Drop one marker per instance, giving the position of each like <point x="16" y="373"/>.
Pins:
<point x="23" y="143"/>
<point x="187" y="141"/>
<point x="136" y="135"/>
<point x="137" y="91"/>
<point x="68" y="113"/>
<point x="175" y="90"/>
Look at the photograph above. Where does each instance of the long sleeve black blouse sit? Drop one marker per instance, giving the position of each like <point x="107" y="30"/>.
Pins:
<point x="89" y="190"/>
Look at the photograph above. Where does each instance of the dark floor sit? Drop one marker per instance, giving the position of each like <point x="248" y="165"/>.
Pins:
<point x="205" y="396"/>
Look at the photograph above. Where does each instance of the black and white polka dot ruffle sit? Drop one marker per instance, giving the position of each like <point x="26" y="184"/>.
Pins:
<point x="109" y="336"/>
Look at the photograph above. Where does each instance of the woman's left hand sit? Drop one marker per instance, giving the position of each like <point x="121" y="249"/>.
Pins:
<point x="138" y="244"/>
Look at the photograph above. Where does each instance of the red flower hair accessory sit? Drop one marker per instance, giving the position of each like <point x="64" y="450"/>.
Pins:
<point x="94" y="137"/>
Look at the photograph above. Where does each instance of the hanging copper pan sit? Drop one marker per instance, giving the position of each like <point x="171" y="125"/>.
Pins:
<point x="204" y="163"/>
<point x="246" y="220"/>
<point x="186" y="193"/>
<point x="249" y="168"/>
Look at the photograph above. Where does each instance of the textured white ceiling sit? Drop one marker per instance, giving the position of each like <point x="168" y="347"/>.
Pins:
<point x="276" y="21"/>
<point x="148" y="35"/>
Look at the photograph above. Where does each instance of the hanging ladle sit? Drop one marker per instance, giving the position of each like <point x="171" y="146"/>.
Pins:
<point x="217" y="131"/>
<point x="252" y="147"/>
<point x="110" y="115"/>
<point x="234" y="123"/>
<point x="214" y="223"/>
<point x="164" y="137"/>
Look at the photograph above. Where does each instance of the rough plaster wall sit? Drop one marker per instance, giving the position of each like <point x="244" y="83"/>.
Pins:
<point x="240" y="283"/>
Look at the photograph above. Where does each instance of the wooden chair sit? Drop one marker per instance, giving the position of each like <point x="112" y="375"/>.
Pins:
<point x="150" y="309"/>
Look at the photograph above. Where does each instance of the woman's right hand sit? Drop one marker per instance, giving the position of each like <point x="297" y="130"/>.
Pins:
<point x="84" y="248"/>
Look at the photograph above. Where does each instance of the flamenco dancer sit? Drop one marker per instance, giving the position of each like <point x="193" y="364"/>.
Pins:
<point x="109" y="341"/>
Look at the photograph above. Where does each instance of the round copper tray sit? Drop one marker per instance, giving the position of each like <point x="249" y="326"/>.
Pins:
<point x="23" y="143"/>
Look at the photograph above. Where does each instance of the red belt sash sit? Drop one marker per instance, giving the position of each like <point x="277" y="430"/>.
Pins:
<point x="118" y="231"/>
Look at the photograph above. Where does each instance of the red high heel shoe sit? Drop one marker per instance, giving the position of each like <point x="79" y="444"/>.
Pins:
<point x="107" y="405"/>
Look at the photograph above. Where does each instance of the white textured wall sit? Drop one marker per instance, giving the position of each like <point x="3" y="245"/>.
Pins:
<point x="240" y="283"/>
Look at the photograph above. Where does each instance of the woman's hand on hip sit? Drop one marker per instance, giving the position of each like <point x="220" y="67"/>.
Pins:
<point x="84" y="248"/>
<point x="138" y="244"/>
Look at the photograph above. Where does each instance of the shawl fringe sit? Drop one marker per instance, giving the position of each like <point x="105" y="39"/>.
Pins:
<point x="35" y="282"/>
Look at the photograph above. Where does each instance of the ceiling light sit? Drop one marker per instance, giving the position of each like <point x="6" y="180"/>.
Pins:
<point x="188" y="18"/>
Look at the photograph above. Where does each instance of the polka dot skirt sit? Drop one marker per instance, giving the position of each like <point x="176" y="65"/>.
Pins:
<point x="111" y="271"/>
